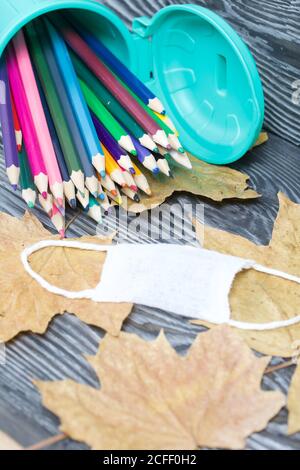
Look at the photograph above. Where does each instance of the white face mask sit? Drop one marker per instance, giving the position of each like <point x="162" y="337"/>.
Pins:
<point x="192" y="282"/>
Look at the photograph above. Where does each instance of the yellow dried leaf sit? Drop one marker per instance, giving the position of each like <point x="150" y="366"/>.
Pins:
<point x="24" y="305"/>
<point x="152" y="398"/>
<point x="257" y="297"/>
<point x="211" y="181"/>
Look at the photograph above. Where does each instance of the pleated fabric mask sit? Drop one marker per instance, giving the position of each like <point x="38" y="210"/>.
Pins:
<point x="191" y="282"/>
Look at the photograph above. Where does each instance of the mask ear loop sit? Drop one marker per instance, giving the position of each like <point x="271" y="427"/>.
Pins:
<point x="85" y="294"/>
<point x="271" y="325"/>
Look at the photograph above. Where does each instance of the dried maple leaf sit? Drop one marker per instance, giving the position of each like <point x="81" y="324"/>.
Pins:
<point x="257" y="297"/>
<point x="24" y="305"/>
<point x="211" y="181"/>
<point x="152" y="398"/>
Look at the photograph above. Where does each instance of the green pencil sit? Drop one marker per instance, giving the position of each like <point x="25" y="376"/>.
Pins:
<point x="112" y="104"/>
<point x="56" y="110"/>
<point x="110" y="123"/>
<point x="26" y="180"/>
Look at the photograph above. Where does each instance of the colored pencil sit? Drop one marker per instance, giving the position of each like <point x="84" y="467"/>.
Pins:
<point x="83" y="198"/>
<point x="141" y="181"/>
<point x="85" y="166"/>
<point x="94" y="210"/>
<point x="112" y="104"/>
<point x="104" y="74"/>
<point x="18" y="130"/>
<point x="47" y="203"/>
<point x="181" y="158"/>
<point x="130" y="183"/>
<point x="58" y="220"/>
<point x="107" y="183"/>
<point x="38" y="116"/>
<point x="174" y="142"/>
<point x="145" y="157"/>
<point x="26" y="181"/>
<point x="8" y="131"/>
<point x="131" y="194"/>
<point x="76" y="98"/>
<point x="163" y="164"/>
<point x="39" y="47"/>
<point x="167" y="120"/>
<point x="118" y="198"/>
<point x="105" y="204"/>
<point x="69" y="188"/>
<point x="113" y="168"/>
<point x="120" y="69"/>
<point x="114" y="148"/>
<point x="107" y="119"/>
<point x="35" y="159"/>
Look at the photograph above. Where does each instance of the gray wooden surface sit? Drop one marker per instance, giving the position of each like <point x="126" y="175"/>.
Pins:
<point x="276" y="166"/>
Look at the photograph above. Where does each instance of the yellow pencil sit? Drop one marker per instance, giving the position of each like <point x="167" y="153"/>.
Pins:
<point x="113" y="169"/>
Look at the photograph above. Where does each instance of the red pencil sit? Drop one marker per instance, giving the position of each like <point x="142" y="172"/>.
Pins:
<point x="18" y="130"/>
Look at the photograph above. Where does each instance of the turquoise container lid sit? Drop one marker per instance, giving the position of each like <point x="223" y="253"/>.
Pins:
<point x="189" y="56"/>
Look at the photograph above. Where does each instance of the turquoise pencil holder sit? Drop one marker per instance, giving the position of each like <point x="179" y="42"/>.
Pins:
<point x="189" y="56"/>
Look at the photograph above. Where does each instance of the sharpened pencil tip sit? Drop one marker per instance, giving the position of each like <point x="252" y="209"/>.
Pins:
<point x="134" y="188"/>
<point x="102" y="196"/>
<point x="62" y="233"/>
<point x="169" y="147"/>
<point x="60" y="202"/>
<point x="15" y="187"/>
<point x="132" y="171"/>
<point x="134" y="152"/>
<point x="114" y="192"/>
<point x="45" y="195"/>
<point x="137" y="198"/>
<point x="73" y="203"/>
<point x="30" y="205"/>
<point x="181" y="150"/>
<point x="156" y="150"/>
<point x="155" y="171"/>
<point x="171" y="175"/>
<point x="163" y="112"/>
<point x="103" y="174"/>
<point x="19" y="147"/>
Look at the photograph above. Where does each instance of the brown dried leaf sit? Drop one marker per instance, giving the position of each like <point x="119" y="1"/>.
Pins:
<point x="257" y="297"/>
<point x="211" y="181"/>
<point x="151" y="398"/>
<point x="25" y="306"/>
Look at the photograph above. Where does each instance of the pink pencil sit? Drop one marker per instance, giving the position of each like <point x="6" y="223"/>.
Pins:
<point x="36" y="162"/>
<point x="38" y="117"/>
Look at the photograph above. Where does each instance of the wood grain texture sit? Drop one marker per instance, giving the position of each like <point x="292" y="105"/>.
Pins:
<point x="59" y="353"/>
<point x="271" y="29"/>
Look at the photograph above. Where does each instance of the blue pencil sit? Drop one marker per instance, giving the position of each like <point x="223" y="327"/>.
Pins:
<point x="69" y="188"/>
<point x="131" y="80"/>
<point x="145" y="156"/>
<point x="121" y="157"/>
<point x="91" y="180"/>
<point x="77" y="100"/>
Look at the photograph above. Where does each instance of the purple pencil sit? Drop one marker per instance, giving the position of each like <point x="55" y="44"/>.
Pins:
<point x="8" y="131"/>
<point x="121" y="157"/>
<point x="145" y="156"/>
